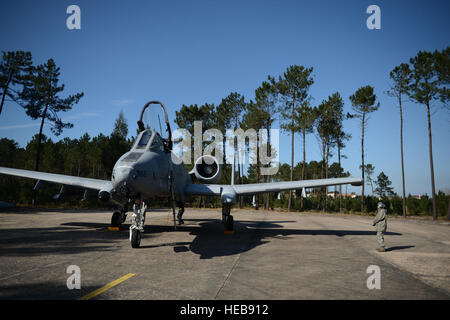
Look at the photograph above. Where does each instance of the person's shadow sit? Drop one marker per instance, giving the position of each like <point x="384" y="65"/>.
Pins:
<point x="399" y="248"/>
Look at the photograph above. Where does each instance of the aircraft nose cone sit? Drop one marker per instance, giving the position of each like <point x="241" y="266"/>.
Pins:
<point x="122" y="175"/>
<point x="123" y="180"/>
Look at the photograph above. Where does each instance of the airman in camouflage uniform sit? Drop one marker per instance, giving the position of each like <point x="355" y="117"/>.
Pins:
<point x="380" y="225"/>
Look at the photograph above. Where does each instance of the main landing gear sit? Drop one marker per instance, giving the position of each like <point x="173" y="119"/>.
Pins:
<point x="137" y="223"/>
<point x="138" y="220"/>
<point x="227" y="218"/>
<point x="118" y="218"/>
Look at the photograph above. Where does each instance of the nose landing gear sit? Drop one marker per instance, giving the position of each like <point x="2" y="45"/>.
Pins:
<point x="135" y="238"/>
<point x="137" y="223"/>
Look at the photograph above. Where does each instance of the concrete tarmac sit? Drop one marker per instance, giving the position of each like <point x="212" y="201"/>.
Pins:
<point x="272" y="255"/>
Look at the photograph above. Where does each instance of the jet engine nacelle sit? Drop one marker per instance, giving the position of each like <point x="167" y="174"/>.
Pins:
<point x="104" y="195"/>
<point x="207" y="169"/>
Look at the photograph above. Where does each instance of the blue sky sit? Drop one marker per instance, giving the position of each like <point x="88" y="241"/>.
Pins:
<point x="192" y="52"/>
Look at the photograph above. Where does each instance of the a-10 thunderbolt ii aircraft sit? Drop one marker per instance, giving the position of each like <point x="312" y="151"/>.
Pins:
<point x="148" y="171"/>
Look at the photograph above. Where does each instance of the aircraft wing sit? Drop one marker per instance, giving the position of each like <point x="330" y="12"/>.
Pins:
<point x="204" y="189"/>
<point x="253" y="188"/>
<point x="59" y="178"/>
<point x="245" y="189"/>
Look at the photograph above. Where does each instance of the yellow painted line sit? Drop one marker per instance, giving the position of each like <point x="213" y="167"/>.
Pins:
<point x="113" y="228"/>
<point x="106" y="287"/>
<point x="228" y="232"/>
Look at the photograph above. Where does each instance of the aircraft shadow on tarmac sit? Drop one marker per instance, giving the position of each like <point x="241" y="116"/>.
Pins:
<point x="54" y="240"/>
<point x="210" y="240"/>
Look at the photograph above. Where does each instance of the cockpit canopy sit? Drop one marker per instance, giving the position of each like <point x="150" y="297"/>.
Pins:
<point x="150" y="122"/>
<point x="149" y="140"/>
<point x="144" y="139"/>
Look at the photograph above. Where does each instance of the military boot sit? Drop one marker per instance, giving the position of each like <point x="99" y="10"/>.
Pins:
<point x="381" y="249"/>
<point x="180" y="217"/>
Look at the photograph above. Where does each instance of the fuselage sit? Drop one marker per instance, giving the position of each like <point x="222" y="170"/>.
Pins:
<point x="148" y="169"/>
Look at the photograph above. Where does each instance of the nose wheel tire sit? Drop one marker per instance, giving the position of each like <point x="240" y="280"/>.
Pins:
<point x="135" y="238"/>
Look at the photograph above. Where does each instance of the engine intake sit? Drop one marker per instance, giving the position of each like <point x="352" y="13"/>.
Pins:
<point x="104" y="195"/>
<point x="207" y="169"/>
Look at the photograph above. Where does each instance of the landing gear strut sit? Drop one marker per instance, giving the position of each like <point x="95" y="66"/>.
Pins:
<point x="227" y="218"/>
<point x="137" y="223"/>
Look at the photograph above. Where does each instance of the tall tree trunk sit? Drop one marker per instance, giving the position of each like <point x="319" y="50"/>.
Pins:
<point x="257" y="176"/>
<point x="448" y="211"/>
<point x="292" y="155"/>
<point x="4" y="92"/>
<point x="239" y="177"/>
<point x="269" y="151"/>
<point x="239" y="166"/>
<point x="36" y="168"/>
<point x="326" y="175"/>
<point x="304" y="162"/>
<point x="401" y="149"/>
<point x="362" y="161"/>
<point x="340" y="186"/>
<point x="241" y="199"/>
<point x="431" y="163"/>
<point x="38" y="152"/>
<point x="323" y="170"/>
<point x="266" y="195"/>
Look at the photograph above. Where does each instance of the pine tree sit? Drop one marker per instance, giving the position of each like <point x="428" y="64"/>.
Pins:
<point x="229" y="116"/>
<point x="121" y="126"/>
<point x="42" y="101"/>
<point x="430" y="83"/>
<point x="293" y="88"/>
<point x="383" y="188"/>
<point x="401" y="75"/>
<point x="328" y="125"/>
<point x="266" y="99"/>
<point x="304" y="122"/>
<point x="364" y="103"/>
<point x="15" y="69"/>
